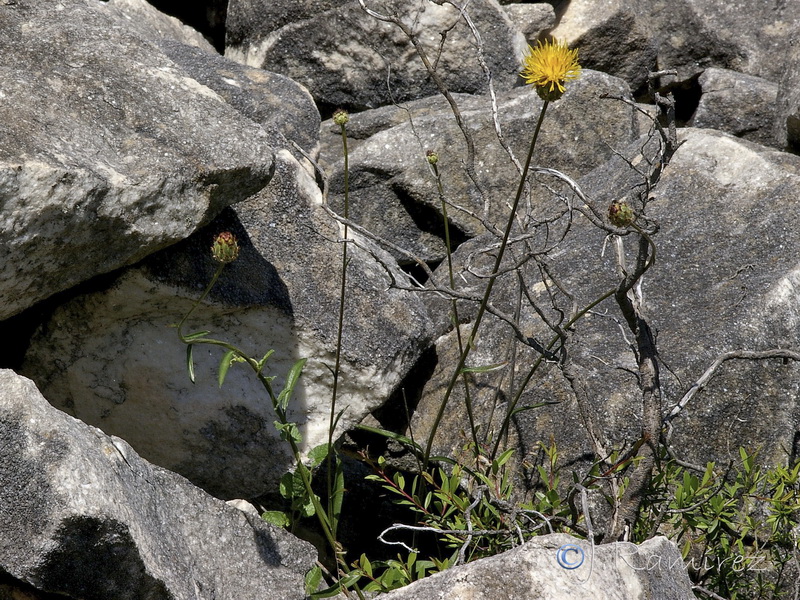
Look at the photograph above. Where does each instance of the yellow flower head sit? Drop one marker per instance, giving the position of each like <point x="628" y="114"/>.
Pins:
<point x="548" y="66"/>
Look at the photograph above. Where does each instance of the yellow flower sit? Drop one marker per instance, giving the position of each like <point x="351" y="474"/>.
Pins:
<point x="548" y="66"/>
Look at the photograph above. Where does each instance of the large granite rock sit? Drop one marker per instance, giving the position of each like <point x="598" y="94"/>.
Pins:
<point x="110" y="359"/>
<point x="628" y="38"/>
<point x="347" y="58"/>
<point x="787" y="118"/>
<point x="560" y="567"/>
<point x="737" y="103"/>
<point x="146" y="20"/>
<point x="83" y="516"/>
<point x="110" y="150"/>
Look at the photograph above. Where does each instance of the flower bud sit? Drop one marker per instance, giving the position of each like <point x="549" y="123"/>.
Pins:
<point x="340" y="117"/>
<point x="620" y="214"/>
<point x="225" y="248"/>
<point x="432" y="157"/>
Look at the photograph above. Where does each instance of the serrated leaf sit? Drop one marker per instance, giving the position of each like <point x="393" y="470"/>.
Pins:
<point x="277" y="517"/>
<point x="289" y="432"/>
<point x="224" y="365"/>
<point x="317" y="454"/>
<point x="307" y="509"/>
<point x="286" y="486"/>
<point x="312" y="580"/>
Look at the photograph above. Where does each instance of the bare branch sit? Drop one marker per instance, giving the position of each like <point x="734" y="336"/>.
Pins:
<point x="702" y="382"/>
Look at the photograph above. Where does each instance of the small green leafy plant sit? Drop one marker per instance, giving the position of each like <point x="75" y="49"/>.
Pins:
<point x="737" y="529"/>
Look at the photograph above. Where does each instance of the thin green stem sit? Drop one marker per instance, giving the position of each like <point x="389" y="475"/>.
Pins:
<point x="454" y="304"/>
<point x="199" y="301"/>
<point x="487" y="293"/>
<point x="340" y="328"/>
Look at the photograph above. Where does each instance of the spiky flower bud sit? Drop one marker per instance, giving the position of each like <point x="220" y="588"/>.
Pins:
<point x="225" y="248"/>
<point x="432" y="157"/>
<point x="340" y="117"/>
<point x="620" y="214"/>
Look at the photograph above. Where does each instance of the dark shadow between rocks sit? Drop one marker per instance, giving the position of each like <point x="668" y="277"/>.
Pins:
<point x="97" y="560"/>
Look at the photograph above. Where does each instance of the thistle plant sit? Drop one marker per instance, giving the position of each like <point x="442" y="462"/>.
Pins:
<point x="472" y="509"/>
<point x="547" y="68"/>
<point x="296" y="486"/>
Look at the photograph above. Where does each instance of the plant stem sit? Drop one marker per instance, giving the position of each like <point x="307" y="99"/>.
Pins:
<point x="340" y="328"/>
<point x="197" y="302"/>
<point x="454" y="304"/>
<point x="487" y="293"/>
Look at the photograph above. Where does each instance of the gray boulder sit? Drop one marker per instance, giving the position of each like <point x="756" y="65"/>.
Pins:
<point x="110" y="150"/>
<point x="283" y="108"/>
<point x="610" y="38"/>
<point x="736" y="103"/>
<point x="347" y="58"/>
<point x="83" y="516"/>
<point x="688" y="36"/>
<point x="532" y="19"/>
<point x="534" y="571"/>
<point x="787" y="118"/>
<point x="147" y="21"/>
<point x="394" y="194"/>
<point x="110" y="359"/>
<point x="722" y="281"/>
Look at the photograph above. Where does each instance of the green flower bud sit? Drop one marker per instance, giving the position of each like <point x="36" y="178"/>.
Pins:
<point x="225" y="248"/>
<point x="340" y="117"/>
<point x="620" y="214"/>
<point x="432" y="157"/>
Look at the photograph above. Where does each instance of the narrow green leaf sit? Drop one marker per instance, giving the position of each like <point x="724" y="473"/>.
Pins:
<point x="349" y="579"/>
<point x="224" y="365"/>
<point x="338" y="416"/>
<point x="190" y="361"/>
<point x="485" y="368"/>
<point x="520" y="409"/>
<point x="330" y="592"/>
<point x="393" y="436"/>
<point x="503" y="458"/>
<point x="260" y="364"/>
<point x="365" y="565"/>
<point x="195" y="336"/>
<point x="338" y="492"/>
<point x="291" y="381"/>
